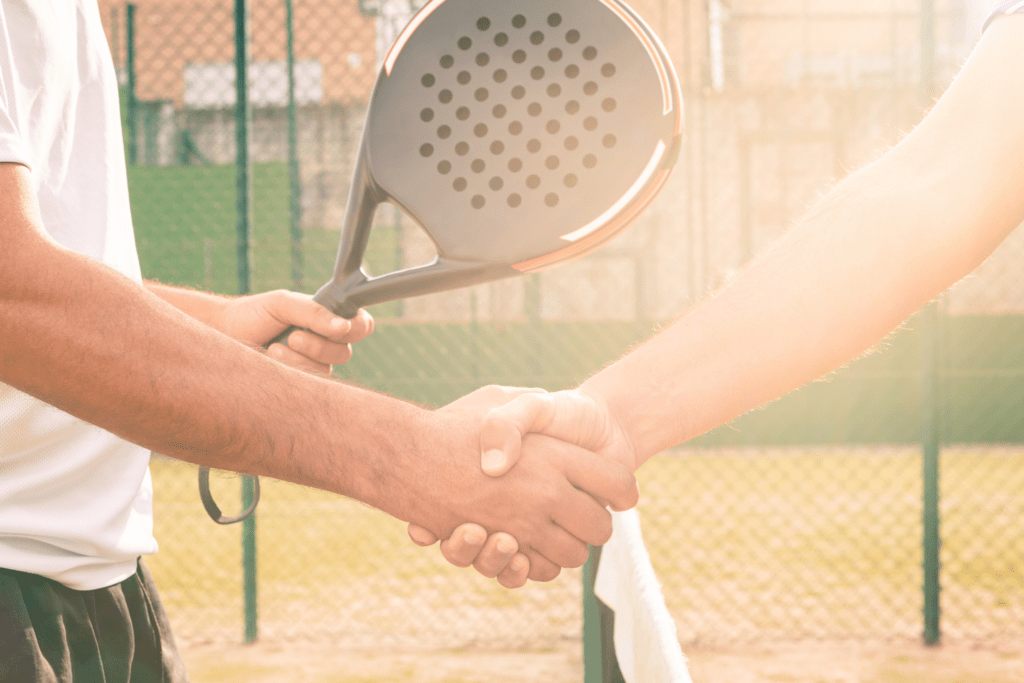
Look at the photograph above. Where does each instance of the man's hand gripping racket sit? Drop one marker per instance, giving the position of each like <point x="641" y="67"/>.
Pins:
<point x="518" y="135"/>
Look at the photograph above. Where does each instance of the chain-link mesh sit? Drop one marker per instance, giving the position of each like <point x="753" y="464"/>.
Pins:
<point x="802" y="520"/>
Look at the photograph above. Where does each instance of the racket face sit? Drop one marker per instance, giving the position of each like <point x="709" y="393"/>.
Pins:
<point x="522" y="132"/>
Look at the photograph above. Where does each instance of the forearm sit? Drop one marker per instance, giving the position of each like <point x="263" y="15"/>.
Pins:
<point x="87" y="340"/>
<point x="203" y="306"/>
<point x="871" y="254"/>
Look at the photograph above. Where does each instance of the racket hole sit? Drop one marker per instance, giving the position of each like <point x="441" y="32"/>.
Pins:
<point x="572" y="71"/>
<point x="464" y="77"/>
<point x="519" y="56"/>
<point x="608" y="70"/>
<point x="462" y="113"/>
<point x="445" y="96"/>
<point x="501" y="39"/>
<point x="500" y="76"/>
<point x="483" y="23"/>
<point x="554" y="20"/>
<point x="447" y="62"/>
<point x="572" y="107"/>
<point x="572" y="36"/>
<point x="609" y="104"/>
<point x="428" y="80"/>
<point x="537" y="37"/>
<point x="481" y="94"/>
<point x="480" y="130"/>
<point x="444" y="132"/>
<point x="499" y="111"/>
<point x="426" y="149"/>
<point x="590" y="53"/>
<point x="554" y="90"/>
<point x="462" y="149"/>
<point x="553" y="126"/>
<point x="571" y="180"/>
<point x="478" y="166"/>
<point x="533" y="182"/>
<point x="483" y="59"/>
<point x="535" y="109"/>
<point x="572" y="142"/>
<point x="551" y="200"/>
<point x="590" y="123"/>
<point x="514" y="200"/>
<point x="465" y="42"/>
<point x="537" y="73"/>
<point x="518" y="92"/>
<point x="519" y="21"/>
<point x="515" y="165"/>
<point x="427" y="115"/>
<point x="552" y="162"/>
<point x="460" y="184"/>
<point x="444" y="168"/>
<point x="609" y="141"/>
<point x="478" y="201"/>
<point x="533" y="145"/>
<point x="590" y="161"/>
<point x="590" y="88"/>
<point x="554" y="54"/>
<point x="496" y="183"/>
<point x="515" y="128"/>
<point x="497" y="147"/>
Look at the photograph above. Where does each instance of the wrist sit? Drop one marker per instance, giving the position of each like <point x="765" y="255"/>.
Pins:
<point x="620" y="429"/>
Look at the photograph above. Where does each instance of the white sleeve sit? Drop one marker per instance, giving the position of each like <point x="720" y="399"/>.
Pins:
<point x="13" y="148"/>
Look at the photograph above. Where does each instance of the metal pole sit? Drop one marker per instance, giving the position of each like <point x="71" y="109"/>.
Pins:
<point x="131" y="105"/>
<point x="930" y="394"/>
<point x="243" y="204"/>
<point x="593" y="657"/>
<point x="294" y="180"/>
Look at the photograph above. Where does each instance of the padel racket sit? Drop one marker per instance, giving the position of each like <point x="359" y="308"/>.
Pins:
<point x="517" y="134"/>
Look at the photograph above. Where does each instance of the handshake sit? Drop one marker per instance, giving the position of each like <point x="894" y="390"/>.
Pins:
<point x="548" y="467"/>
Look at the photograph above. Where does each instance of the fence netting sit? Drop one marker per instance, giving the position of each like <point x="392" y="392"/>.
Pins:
<point x="798" y="521"/>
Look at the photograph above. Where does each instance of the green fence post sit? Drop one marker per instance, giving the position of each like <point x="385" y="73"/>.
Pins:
<point x="593" y="670"/>
<point x="931" y="398"/>
<point x="294" y="181"/>
<point x="243" y="204"/>
<point x="930" y="394"/>
<point x="131" y="104"/>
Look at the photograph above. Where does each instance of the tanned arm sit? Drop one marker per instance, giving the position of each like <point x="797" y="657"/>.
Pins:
<point x="82" y="337"/>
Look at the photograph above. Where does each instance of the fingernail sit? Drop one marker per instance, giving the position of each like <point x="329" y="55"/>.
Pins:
<point x="517" y="564"/>
<point x="504" y="548"/>
<point x="473" y="539"/>
<point x="493" y="459"/>
<point x="340" y="323"/>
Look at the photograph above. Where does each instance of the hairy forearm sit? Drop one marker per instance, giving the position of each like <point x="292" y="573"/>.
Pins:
<point x="91" y="342"/>
<point x="203" y="306"/>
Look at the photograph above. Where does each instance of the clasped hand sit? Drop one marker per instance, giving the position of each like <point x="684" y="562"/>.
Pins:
<point x="513" y="428"/>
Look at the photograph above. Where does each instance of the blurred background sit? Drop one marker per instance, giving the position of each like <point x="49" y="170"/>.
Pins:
<point x="884" y="504"/>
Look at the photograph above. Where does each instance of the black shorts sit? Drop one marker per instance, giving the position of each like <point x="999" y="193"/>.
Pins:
<point x="50" y="633"/>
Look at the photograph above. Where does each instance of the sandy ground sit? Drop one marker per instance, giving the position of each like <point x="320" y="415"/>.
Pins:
<point x="795" y="663"/>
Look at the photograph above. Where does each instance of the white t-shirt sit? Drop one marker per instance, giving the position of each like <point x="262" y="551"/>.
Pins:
<point x="76" y="502"/>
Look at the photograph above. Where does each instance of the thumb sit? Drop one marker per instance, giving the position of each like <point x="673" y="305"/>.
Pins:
<point x="502" y="431"/>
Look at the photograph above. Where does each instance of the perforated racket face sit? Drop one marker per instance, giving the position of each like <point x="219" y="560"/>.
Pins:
<point x="510" y="129"/>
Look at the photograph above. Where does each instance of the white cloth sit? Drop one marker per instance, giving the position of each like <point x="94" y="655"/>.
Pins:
<point x="645" y="635"/>
<point x="75" y="500"/>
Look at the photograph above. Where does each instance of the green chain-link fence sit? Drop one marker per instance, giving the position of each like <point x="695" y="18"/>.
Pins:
<point x="801" y="520"/>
